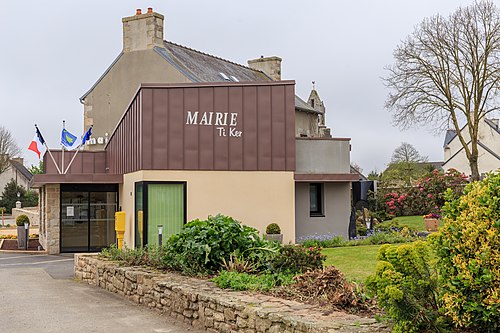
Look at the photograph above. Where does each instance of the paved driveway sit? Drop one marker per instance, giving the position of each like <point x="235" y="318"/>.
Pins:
<point x="38" y="294"/>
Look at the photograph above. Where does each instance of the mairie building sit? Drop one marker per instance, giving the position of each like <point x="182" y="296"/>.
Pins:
<point x="179" y="134"/>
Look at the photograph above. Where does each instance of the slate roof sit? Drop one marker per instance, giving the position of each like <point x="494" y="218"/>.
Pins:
<point x="204" y="67"/>
<point x="450" y="135"/>
<point x="22" y="169"/>
<point x="198" y="66"/>
<point x="303" y="106"/>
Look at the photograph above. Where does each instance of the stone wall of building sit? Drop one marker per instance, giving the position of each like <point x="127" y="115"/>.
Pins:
<point x="201" y="304"/>
<point x="49" y="218"/>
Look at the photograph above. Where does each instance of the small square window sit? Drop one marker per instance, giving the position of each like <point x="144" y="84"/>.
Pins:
<point x="316" y="199"/>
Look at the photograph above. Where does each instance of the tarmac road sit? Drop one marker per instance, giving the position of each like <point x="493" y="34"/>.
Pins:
<point x="38" y="294"/>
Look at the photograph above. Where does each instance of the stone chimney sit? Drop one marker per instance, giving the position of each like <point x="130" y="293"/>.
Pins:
<point x="271" y="66"/>
<point x="142" y="31"/>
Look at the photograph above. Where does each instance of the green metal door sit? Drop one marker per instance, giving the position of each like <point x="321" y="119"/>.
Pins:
<point x="165" y="207"/>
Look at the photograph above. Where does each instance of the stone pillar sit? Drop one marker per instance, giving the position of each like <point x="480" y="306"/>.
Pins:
<point x="50" y="221"/>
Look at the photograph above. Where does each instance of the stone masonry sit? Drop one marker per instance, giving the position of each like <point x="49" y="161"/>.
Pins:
<point x="201" y="304"/>
<point x="49" y="218"/>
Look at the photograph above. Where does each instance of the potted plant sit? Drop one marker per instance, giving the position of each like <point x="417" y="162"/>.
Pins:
<point x="431" y="221"/>
<point x="21" y="220"/>
<point x="273" y="232"/>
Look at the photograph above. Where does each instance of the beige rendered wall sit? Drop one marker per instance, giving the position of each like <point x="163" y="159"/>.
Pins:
<point x="486" y="161"/>
<point x="254" y="198"/>
<point x="336" y="201"/>
<point x="322" y="155"/>
<point x="107" y="102"/>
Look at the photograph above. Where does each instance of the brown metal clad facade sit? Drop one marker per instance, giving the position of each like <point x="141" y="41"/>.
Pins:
<point x="85" y="162"/>
<point x="123" y="150"/>
<point x="234" y="126"/>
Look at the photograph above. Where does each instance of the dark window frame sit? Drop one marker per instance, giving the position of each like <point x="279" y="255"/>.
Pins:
<point x="319" y="190"/>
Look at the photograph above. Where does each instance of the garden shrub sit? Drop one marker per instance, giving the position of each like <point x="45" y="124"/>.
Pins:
<point x="327" y="240"/>
<point x="244" y="281"/>
<point x="273" y="229"/>
<point x="297" y="259"/>
<point x="426" y="197"/>
<point x="405" y="283"/>
<point x="146" y="256"/>
<point x="21" y="219"/>
<point x="201" y="246"/>
<point x="9" y="196"/>
<point x="468" y="248"/>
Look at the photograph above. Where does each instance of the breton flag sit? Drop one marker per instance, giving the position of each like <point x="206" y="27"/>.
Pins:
<point x="69" y="140"/>
<point x="38" y="144"/>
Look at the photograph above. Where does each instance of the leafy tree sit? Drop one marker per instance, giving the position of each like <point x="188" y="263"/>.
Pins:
<point x="36" y="169"/>
<point x="448" y="72"/>
<point x="9" y="196"/>
<point x="408" y="154"/>
<point x="8" y="149"/>
<point x="373" y="175"/>
<point x="404" y="167"/>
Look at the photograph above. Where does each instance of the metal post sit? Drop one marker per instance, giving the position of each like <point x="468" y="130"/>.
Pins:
<point x="26" y="230"/>
<point x="160" y="235"/>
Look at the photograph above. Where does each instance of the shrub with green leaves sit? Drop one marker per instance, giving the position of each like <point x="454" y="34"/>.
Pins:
<point x="468" y="248"/>
<point x="147" y="256"/>
<point x="22" y="219"/>
<point x="297" y="259"/>
<point x="244" y="281"/>
<point x="201" y="246"/>
<point x="406" y="286"/>
<point x="273" y="229"/>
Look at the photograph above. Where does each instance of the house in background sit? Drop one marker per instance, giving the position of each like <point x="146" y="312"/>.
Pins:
<point x="488" y="147"/>
<point x="17" y="172"/>
<point x="184" y="134"/>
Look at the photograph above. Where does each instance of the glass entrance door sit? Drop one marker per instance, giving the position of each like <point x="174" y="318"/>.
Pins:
<point x="74" y="221"/>
<point x="87" y="217"/>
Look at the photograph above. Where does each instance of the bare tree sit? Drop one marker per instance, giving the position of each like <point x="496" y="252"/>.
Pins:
<point x="447" y="72"/>
<point x="8" y="148"/>
<point x="408" y="154"/>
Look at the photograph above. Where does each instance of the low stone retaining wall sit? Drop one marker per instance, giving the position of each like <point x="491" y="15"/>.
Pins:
<point x="31" y="212"/>
<point x="201" y="304"/>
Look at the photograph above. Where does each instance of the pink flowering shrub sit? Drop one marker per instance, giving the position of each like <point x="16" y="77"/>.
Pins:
<point x="427" y="196"/>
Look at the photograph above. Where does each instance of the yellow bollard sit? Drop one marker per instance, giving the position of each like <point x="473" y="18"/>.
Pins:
<point x="120" y="227"/>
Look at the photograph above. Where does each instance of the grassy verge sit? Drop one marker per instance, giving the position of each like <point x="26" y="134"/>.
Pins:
<point x="416" y="222"/>
<point x="356" y="262"/>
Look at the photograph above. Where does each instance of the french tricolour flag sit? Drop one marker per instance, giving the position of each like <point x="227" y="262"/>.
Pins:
<point x="38" y="144"/>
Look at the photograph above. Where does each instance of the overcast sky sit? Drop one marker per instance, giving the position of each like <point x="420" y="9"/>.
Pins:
<point x="52" y="52"/>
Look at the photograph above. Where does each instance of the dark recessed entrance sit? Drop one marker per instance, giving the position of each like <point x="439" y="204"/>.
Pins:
<point x="87" y="216"/>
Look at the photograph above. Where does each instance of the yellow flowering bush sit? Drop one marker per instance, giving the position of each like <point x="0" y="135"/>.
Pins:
<point x="468" y="249"/>
<point x="405" y="283"/>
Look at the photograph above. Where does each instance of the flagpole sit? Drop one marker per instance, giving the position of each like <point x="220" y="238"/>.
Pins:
<point x="71" y="162"/>
<point x="82" y="144"/>
<point x="62" y="148"/>
<point x="48" y="151"/>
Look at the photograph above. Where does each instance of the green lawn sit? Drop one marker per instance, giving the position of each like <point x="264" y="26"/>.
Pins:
<point x="356" y="262"/>
<point x="416" y="222"/>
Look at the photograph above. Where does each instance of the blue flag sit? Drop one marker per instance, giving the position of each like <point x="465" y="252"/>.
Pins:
<point x="69" y="140"/>
<point x="86" y="136"/>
